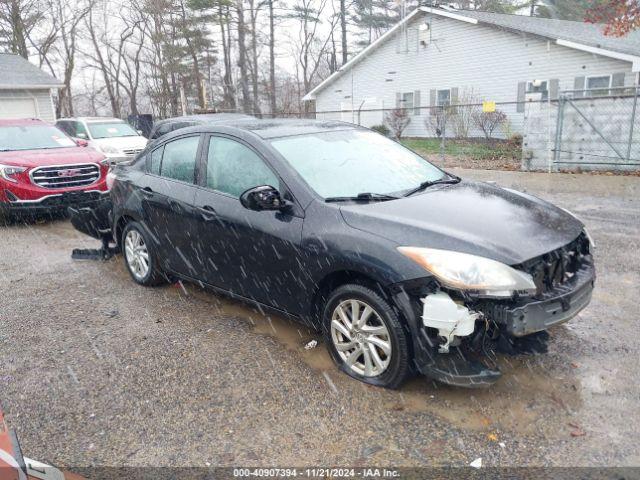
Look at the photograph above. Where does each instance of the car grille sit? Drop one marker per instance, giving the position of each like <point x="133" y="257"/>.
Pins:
<point x="66" y="176"/>
<point x="132" y="151"/>
<point x="555" y="268"/>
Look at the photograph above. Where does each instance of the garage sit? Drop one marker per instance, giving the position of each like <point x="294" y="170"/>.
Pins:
<point x="18" y="108"/>
<point x="25" y="90"/>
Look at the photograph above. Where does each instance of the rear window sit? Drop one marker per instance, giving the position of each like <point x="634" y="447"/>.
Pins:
<point x="33" y="137"/>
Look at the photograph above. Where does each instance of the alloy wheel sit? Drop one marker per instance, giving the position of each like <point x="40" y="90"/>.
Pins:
<point x="361" y="338"/>
<point x="135" y="250"/>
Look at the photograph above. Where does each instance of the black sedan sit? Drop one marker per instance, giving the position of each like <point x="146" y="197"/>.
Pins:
<point x="403" y="267"/>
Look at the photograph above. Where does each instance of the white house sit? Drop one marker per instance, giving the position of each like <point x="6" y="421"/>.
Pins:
<point x="436" y="56"/>
<point x="25" y="90"/>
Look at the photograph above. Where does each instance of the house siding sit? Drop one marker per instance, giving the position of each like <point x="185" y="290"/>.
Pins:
<point x="483" y="59"/>
<point x="42" y="98"/>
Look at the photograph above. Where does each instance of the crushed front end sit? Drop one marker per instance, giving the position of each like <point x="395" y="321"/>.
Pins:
<point x="458" y="331"/>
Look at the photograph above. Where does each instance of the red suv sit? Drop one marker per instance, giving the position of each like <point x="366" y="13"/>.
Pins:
<point x="43" y="170"/>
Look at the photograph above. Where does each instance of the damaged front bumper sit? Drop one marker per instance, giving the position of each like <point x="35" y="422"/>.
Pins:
<point x="563" y="302"/>
<point x="503" y="318"/>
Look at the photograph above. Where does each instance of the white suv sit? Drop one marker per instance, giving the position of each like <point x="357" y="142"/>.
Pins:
<point x="114" y="137"/>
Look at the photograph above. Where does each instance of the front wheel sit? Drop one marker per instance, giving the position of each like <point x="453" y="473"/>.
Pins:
<point x="365" y="336"/>
<point x="139" y="255"/>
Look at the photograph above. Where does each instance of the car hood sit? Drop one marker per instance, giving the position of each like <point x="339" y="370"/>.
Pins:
<point x="53" y="156"/>
<point x="470" y="217"/>
<point x="121" y="143"/>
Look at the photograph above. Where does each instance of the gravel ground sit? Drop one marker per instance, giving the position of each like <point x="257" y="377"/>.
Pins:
<point x="97" y="370"/>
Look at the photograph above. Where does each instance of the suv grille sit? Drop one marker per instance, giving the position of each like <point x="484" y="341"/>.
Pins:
<point x="555" y="268"/>
<point x="132" y="151"/>
<point x="66" y="176"/>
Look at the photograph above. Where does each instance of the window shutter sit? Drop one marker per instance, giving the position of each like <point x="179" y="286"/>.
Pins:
<point x="522" y="92"/>
<point x="578" y="85"/>
<point x="617" y="80"/>
<point x="416" y="102"/>
<point x="398" y="99"/>
<point x="432" y="102"/>
<point x="554" y="88"/>
<point x="454" y="99"/>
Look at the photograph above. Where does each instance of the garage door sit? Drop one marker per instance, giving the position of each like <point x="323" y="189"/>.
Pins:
<point x="18" y="108"/>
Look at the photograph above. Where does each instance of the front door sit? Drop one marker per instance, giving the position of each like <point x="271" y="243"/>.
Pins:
<point x="253" y="254"/>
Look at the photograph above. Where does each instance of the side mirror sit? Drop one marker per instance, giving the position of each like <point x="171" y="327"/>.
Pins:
<point x="140" y="132"/>
<point x="263" y="197"/>
<point x="81" y="142"/>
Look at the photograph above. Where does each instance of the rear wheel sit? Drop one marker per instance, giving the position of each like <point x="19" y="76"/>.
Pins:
<point x="139" y="255"/>
<point x="365" y="336"/>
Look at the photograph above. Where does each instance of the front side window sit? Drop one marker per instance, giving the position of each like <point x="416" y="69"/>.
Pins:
<point x="349" y="162"/>
<point x="598" y="85"/>
<point x="80" y="131"/>
<point x="233" y="168"/>
<point x="179" y="159"/>
<point x="33" y="137"/>
<point x="443" y="98"/>
<point x="111" y="130"/>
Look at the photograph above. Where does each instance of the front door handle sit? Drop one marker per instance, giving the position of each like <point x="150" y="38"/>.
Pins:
<point x="147" y="192"/>
<point x="207" y="212"/>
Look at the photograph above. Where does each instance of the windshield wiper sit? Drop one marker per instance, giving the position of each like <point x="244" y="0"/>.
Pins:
<point x="424" y="185"/>
<point x="363" y="197"/>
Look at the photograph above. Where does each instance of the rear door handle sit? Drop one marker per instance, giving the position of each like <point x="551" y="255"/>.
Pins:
<point x="207" y="213"/>
<point x="147" y="192"/>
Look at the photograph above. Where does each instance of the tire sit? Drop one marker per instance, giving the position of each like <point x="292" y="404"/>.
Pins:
<point x="136" y="235"/>
<point x="380" y="328"/>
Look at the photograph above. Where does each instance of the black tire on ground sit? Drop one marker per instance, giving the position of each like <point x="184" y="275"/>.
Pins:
<point x="154" y="275"/>
<point x="398" y="368"/>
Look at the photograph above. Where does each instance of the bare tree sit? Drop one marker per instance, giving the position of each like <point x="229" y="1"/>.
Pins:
<point x="397" y="120"/>
<point x="18" y="19"/>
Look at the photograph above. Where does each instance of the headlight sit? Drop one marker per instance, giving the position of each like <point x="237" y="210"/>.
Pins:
<point x="109" y="149"/>
<point x="6" y="172"/>
<point x="469" y="272"/>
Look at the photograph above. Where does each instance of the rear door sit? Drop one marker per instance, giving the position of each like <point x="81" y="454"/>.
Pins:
<point x="253" y="254"/>
<point x="168" y="191"/>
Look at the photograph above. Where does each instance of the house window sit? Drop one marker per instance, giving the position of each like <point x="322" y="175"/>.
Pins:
<point x="597" y="85"/>
<point x="443" y="98"/>
<point x="539" y="86"/>
<point x="407" y="101"/>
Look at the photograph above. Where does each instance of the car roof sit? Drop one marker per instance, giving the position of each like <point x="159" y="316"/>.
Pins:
<point x="204" y="118"/>
<point x="19" y="122"/>
<point x="281" y="127"/>
<point x="92" y="119"/>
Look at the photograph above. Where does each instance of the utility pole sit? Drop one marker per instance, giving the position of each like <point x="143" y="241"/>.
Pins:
<point x="532" y="13"/>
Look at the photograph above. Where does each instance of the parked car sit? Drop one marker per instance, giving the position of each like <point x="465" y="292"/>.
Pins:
<point x="402" y="266"/>
<point x="162" y="127"/>
<point x="44" y="170"/>
<point x="111" y="136"/>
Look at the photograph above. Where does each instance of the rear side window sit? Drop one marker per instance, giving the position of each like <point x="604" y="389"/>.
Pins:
<point x="179" y="159"/>
<point x="233" y="168"/>
<point x="156" y="160"/>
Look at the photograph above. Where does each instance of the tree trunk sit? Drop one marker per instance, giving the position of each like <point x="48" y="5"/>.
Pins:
<point x="272" y="61"/>
<point x="19" y="39"/>
<point x="254" y="61"/>
<point x="242" y="59"/>
<point x="228" y="94"/>
<point x="343" y="28"/>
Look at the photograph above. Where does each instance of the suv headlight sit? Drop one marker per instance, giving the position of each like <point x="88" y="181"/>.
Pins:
<point x="470" y="272"/>
<point x="6" y="172"/>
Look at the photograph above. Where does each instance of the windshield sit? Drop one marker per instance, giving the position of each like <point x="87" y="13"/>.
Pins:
<point x="111" y="129"/>
<point x="350" y="162"/>
<point x="33" y="137"/>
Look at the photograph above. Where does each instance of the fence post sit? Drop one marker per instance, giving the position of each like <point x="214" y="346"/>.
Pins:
<point x="559" y="125"/>
<point x="444" y="134"/>
<point x="633" y="121"/>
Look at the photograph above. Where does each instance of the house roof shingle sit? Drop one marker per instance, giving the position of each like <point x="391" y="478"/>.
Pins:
<point x="585" y="33"/>
<point x="16" y="72"/>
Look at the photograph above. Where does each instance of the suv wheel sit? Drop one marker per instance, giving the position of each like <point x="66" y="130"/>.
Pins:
<point x="139" y="256"/>
<point x="365" y="336"/>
